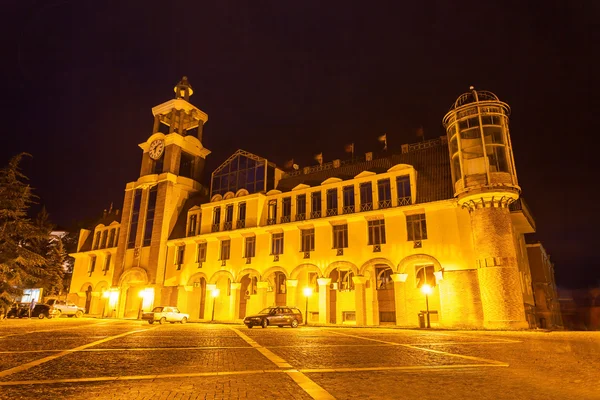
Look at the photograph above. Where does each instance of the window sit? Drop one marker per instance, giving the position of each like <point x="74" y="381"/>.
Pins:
<point x="315" y="203"/>
<point x="345" y="283"/>
<point x="250" y="248"/>
<point x="424" y="275"/>
<point x="403" y="190"/>
<point x="277" y="243"/>
<point x="272" y="212"/>
<point x="307" y="240"/>
<point x="241" y="222"/>
<point x="280" y="283"/>
<point x="301" y="207"/>
<point x="376" y="232"/>
<point x="106" y="264"/>
<point x="186" y="165"/>
<point x="157" y="166"/>
<point x="135" y="214"/>
<point x="225" y="249"/>
<point x="228" y="225"/>
<point x="111" y="238"/>
<point x="384" y="193"/>
<point x="384" y="277"/>
<point x="240" y="173"/>
<point x="253" y="285"/>
<point x="179" y="253"/>
<point x="192" y="225"/>
<point x="416" y="227"/>
<point x="150" y="215"/>
<point x="91" y="265"/>
<point x="103" y="241"/>
<point x="332" y="202"/>
<point x="340" y="236"/>
<point x="366" y="196"/>
<point x="216" y="219"/>
<point x="348" y="194"/>
<point x="97" y="241"/>
<point x="201" y="252"/>
<point x="286" y="209"/>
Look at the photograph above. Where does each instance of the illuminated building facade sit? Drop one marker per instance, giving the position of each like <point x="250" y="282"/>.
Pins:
<point x="366" y="234"/>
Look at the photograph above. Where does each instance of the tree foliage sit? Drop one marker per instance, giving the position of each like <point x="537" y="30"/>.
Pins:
<point x="29" y="256"/>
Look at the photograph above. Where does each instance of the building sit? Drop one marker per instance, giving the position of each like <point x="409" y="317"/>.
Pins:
<point x="547" y="305"/>
<point x="368" y="235"/>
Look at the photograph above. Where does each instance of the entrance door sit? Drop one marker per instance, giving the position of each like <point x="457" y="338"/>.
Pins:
<point x="88" y="299"/>
<point x="385" y="294"/>
<point x="244" y="294"/>
<point x="280" y="289"/>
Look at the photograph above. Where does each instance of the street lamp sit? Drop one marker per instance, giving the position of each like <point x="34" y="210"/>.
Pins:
<point x="215" y="293"/>
<point x="307" y="293"/>
<point x="426" y="289"/>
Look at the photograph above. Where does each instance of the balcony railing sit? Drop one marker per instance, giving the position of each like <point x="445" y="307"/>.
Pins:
<point x="271" y="221"/>
<point x="332" y="211"/>
<point x="240" y="224"/>
<point x="315" y="214"/>
<point x="366" y="206"/>
<point x="348" y="209"/>
<point x="214" y="228"/>
<point x="227" y="225"/>
<point x="300" y="217"/>
<point x="404" y="201"/>
<point x="384" y="203"/>
<point x="285" y="219"/>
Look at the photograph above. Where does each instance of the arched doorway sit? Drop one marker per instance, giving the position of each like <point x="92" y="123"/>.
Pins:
<point x="196" y="301"/>
<point x="277" y="291"/>
<point x="88" y="299"/>
<point x="132" y="283"/>
<point x="248" y="289"/>
<point x="384" y="287"/>
<point x="342" y="299"/>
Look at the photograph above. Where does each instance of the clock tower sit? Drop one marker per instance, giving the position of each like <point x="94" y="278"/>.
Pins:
<point x="172" y="163"/>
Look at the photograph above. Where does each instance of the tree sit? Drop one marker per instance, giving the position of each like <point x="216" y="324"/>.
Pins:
<point x="50" y="247"/>
<point x="20" y="264"/>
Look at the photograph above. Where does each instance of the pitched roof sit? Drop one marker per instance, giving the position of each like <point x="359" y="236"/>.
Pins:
<point x="432" y="163"/>
<point x="180" y="225"/>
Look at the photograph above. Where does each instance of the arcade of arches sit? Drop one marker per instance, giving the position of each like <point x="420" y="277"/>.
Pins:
<point x="375" y="293"/>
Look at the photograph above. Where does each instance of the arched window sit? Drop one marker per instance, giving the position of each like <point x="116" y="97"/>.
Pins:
<point x="384" y="277"/>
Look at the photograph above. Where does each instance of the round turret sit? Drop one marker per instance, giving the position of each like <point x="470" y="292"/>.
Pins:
<point x="480" y="148"/>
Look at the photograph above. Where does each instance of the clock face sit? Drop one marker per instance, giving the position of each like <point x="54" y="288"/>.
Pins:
<point x="156" y="149"/>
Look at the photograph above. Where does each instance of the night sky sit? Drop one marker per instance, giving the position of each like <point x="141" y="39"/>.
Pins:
<point x="287" y="79"/>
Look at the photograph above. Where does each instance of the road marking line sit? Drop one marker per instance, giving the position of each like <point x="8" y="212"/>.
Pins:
<point x="52" y="330"/>
<point x="24" y="367"/>
<point x="308" y="385"/>
<point x="129" y="349"/>
<point x="398" y="368"/>
<point x="136" y="377"/>
<point x="430" y="350"/>
<point x="296" y="375"/>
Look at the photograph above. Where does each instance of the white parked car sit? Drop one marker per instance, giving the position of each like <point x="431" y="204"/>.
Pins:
<point x="62" y="307"/>
<point x="165" y="314"/>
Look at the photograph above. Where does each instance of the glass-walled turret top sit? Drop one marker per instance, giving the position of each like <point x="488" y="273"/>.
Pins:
<point x="479" y="141"/>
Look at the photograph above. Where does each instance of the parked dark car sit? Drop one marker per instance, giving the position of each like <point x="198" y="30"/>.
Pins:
<point x="40" y="311"/>
<point x="18" y="310"/>
<point x="278" y="316"/>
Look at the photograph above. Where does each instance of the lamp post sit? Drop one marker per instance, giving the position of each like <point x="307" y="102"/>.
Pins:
<point x="307" y="293"/>
<point x="426" y="289"/>
<point x="215" y="293"/>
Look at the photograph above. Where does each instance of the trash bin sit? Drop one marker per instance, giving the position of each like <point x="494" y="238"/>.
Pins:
<point x="421" y="320"/>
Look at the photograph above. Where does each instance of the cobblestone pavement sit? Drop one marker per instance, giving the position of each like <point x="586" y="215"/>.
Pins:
<point x="120" y="359"/>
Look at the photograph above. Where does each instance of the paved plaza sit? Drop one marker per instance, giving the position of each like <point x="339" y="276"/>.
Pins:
<point x="108" y="359"/>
